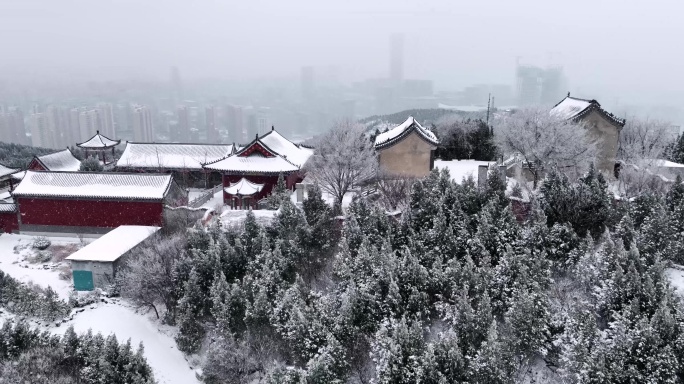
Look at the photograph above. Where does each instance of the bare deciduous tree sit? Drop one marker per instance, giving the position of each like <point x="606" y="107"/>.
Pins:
<point x="393" y="192"/>
<point x="344" y="158"/>
<point x="642" y="149"/>
<point x="543" y="140"/>
<point x="147" y="278"/>
<point x="644" y="139"/>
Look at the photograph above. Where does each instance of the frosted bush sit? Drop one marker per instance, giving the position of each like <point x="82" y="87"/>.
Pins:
<point x="41" y="243"/>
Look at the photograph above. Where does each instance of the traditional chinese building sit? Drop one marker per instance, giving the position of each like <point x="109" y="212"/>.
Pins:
<point x="6" y="179"/>
<point x="183" y="161"/>
<point x="100" y="147"/>
<point x="603" y="126"/>
<point x="62" y="161"/>
<point x="406" y="150"/>
<point x="93" y="202"/>
<point x="251" y="172"/>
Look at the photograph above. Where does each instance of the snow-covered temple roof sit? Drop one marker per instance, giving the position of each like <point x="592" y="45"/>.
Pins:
<point x="269" y="154"/>
<point x="114" y="243"/>
<point x="18" y="175"/>
<point x="253" y="164"/>
<point x="397" y="133"/>
<point x="99" y="142"/>
<point x="62" y="161"/>
<point x="172" y="155"/>
<point x="576" y="108"/>
<point x="244" y="187"/>
<point x="7" y="171"/>
<point x="294" y="153"/>
<point x="94" y="185"/>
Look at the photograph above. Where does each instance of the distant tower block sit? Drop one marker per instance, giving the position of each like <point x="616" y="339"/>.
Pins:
<point x="397" y="58"/>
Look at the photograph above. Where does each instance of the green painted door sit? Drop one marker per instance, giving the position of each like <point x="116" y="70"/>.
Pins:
<point x="83" y="280"/>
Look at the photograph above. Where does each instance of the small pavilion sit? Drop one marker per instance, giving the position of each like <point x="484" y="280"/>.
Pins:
<point x="98" y="146"/>
<point x="243" y="192"/>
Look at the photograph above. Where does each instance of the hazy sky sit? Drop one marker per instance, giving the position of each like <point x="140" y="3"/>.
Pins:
<point x="617" y="47"/>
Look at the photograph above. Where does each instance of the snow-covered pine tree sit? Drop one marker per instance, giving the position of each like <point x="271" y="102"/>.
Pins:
<point x="279" y="194"/>
<point x="526" y="323"/>
<point x="328" y="365"/>
<point x="190" y="313"/>
<point x="442" y="361"/>
<point x="396" y="351"/>
<point x="491" y="364"/>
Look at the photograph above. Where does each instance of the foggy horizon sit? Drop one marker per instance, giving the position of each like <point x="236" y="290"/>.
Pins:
<point x="621" y="50"/>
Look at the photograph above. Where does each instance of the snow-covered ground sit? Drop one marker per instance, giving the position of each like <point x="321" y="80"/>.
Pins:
<point x="216" y="201"/>
<point x="238" y="216"/>
<point x="460" y="169"/>
<point x="42" y="274"/>
<point x="346" y="200"/>
<point x="115" y="316"/>
<point x="676" y="277"/>
<point x="194" y="193"/>
<point x="168" y="363"/>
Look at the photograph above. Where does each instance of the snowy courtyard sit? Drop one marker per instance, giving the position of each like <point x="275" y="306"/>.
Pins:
<point x="461" y="169"/>
<point x="109" y="316"/>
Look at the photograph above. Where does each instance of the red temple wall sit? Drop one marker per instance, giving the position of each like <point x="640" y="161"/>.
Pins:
<point x="89" y="213"/>
<point x="8" y="222"/>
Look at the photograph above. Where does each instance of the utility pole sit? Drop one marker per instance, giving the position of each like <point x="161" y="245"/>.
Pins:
<point x="489" y="101"/>
<point x="491" y="128"/>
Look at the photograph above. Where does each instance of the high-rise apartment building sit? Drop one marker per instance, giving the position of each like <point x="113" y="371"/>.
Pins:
<point x="6" y="134"/>
<point x="210" y="118"/>
<point x="142" y="124"/>
<point x="12" y="129"/>
<point x="182" y="132"/>
<point x="123" y="118"/>
<point x="536" y="85"/>
<point x="57" y="124"/>
<point x="235" y="123"/>
<point x="75" y="125"/>
<point x="89" y="123"/>
<point x="263" y="119"/>
<point x="106" y="119"/>
<point x="40" y="134"/>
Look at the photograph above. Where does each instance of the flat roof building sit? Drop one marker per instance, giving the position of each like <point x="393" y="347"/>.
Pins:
<point x="96" y="264"/>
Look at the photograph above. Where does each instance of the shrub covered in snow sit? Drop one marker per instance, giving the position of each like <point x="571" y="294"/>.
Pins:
<point x="43" y="256"/>
<point x="91" y="164"/>
<point x="31" y="300"/>
<point x="81" y="299"/>
<point x="41" y="243"/>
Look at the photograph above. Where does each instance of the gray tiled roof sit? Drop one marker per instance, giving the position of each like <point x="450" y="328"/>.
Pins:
<point x="172" y="156"/>
<point x="63" y="161"/>
<point x="93" y="185"/>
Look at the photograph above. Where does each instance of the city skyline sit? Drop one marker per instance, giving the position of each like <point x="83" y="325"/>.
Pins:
<point x="455" y="45"/>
